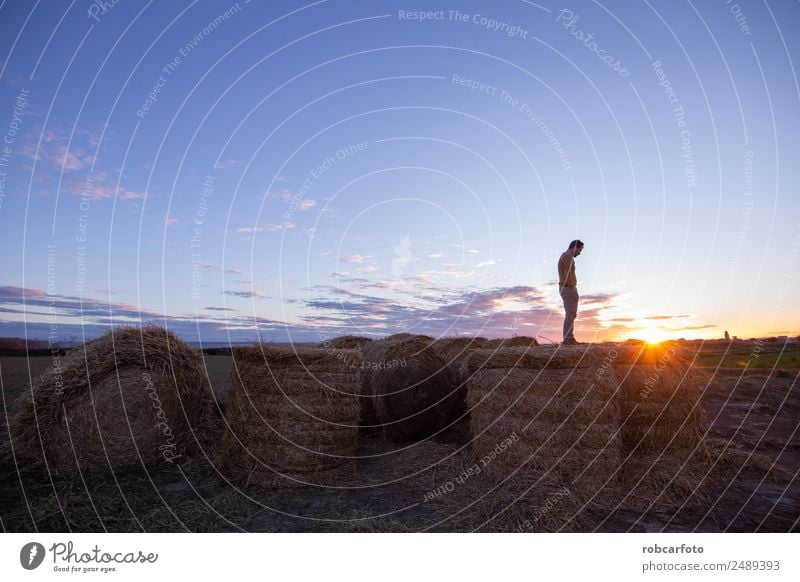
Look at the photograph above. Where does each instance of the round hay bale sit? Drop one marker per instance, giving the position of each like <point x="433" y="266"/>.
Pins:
<point x="455" y="350"/>
<point x="132" y="397"/>
<point x="346" y="342"/>
<point x="373" y="354"/>
<point x="292" y="416"/>
<point x="414" y="393"/>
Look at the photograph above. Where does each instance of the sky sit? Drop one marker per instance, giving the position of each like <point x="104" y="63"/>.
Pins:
<point x="301" y="170"/>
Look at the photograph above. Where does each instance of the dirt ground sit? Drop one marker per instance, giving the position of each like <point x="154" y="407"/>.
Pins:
<point x="748" y="414"/>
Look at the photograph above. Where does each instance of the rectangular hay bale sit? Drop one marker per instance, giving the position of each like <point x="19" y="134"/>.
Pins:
<point x="292" y="415"/>
<point x="663" y="429"/>
<point x="561" y="406"/>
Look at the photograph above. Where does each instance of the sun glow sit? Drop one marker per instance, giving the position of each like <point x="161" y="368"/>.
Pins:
<point x="652" y="335"/>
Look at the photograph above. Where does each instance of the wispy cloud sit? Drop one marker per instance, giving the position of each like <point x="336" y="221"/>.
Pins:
<point x="692" y="327"/>
<point x="72" y="160"/>
<point x="227" y="164"/>
<point x="488" y="263"/>
<point x="244" y="294"/>
<point x="247" y="232"/>
<point x="98" y="186"/>
<point x="29" y="312"/>
<point x="22" y="300"/>
<point x="286" y="225"/>
<point x="231" y="271"/>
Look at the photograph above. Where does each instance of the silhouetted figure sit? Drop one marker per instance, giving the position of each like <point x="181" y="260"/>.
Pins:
<point x="568" y="289"/>
<point x="727" y="336"/>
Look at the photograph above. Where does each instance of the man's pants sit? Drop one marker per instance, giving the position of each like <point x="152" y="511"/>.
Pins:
<point x="570" y="297"/>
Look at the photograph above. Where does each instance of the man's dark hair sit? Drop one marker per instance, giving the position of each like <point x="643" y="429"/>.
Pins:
<point x="575" y="243"/>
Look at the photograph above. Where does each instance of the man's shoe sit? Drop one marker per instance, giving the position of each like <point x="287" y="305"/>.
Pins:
<point x="571" y="342"/>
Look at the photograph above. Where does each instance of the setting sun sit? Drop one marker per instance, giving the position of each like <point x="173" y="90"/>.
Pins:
<point x="652" y="335"/>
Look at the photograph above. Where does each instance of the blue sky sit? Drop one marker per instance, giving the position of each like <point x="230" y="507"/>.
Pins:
<point x="302" y="170"/>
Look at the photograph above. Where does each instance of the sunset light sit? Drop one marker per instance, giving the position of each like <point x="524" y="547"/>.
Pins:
<point x="652" y="335"/>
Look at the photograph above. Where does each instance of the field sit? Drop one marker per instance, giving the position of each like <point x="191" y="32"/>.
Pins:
<point x="750" y="414"/>
<point x="779" y="359"/>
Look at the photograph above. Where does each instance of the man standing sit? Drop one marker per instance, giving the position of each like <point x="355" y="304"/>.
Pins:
<point x="568" y="289"/>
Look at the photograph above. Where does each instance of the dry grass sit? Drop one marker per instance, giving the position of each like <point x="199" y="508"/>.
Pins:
<point x="362" y="522"/>
<point x="426" y="461"/>
<point x="459" y="495"/>
<point x="774" y="390"/>
<point x="135" y="396"/>
<point x="732" y="461"/>
<point x="292" y="416"/>
<point x="526" y="501"/>
<point x="663" y="481"/>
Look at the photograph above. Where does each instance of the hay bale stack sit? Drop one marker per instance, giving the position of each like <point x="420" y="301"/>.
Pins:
<point x="292" y="416"/>
<point x="130" y="397"/>
<point x="663" y="425"/>
<point x="411" y="393"/>
<point x="546" y="411"/>
<point x="346" y="342"/>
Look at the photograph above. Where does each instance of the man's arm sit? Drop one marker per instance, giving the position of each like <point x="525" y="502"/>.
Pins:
<point x="563" y="269"/>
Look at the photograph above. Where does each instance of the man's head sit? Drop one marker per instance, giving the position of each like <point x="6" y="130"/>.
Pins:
<point x="576" y="247"/>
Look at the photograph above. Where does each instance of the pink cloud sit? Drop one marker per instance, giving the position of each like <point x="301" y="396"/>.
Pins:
<point x="68" y="160"/>
<point x="11" y="292"/>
